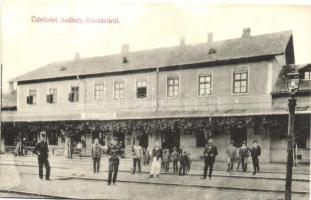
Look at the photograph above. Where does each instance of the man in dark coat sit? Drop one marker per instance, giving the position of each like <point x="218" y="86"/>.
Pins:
<point x="114" y="152"/>
<point x="255" y="153"/>
<point x="244" y="153"/>
<point x="183" y="162"/>
<point x="210" y="152"/>
<point x="175" y="158"/>
<point x="42" y="150"/>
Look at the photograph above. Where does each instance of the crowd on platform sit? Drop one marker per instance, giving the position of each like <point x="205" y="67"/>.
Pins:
<point x="158" y="158"/>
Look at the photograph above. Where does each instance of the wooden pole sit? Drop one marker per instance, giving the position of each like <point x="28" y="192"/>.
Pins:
<point x="1" y="109"/>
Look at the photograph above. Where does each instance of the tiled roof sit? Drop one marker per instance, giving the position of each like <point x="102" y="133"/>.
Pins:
<point x="244" y="47"/>
<point x="280" y="85"/>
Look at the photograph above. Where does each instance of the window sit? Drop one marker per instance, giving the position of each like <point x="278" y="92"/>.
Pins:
<point x="52" y="96"/>
<point x="204" y="85"/>
<point x="307" y="75"/>
<point x="141" y="91"/>
<point x="32" y="98"/>
<point x="172" y="87"/>
<point x="240" y="82"/>
<point x="99" y="92"/>
<point x="119" y="90"/>
<point x="74" y="94"/>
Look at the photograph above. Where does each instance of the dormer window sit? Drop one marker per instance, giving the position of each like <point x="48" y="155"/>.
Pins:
<point x="212" y="51"/>
<point x="62" y="68"/>
<point x="124" y="60"/>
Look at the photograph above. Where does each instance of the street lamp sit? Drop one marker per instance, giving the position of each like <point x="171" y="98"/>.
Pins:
<point x="292" y="81"/>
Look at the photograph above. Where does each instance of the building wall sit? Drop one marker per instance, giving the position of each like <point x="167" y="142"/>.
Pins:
<point x="282" y="103"/>
<point x="221" y="99"/>
<point x="222" y="96"/>
<point x="262" y="78"/>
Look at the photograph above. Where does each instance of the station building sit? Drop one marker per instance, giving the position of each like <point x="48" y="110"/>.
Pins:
<point x="181" y="96"/>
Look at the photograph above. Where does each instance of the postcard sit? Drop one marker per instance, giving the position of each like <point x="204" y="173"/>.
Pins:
<point x="154" y="100"/>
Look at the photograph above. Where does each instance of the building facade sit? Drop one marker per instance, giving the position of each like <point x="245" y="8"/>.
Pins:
<point x="180" y="96"/>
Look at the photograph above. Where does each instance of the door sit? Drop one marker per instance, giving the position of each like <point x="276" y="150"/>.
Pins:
<point x="170" y="139"/>
<point x="238" y="135"/>
<point x="144" y="141"/>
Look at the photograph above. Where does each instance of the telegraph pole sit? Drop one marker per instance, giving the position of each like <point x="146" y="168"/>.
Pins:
<point x="1" y="109"/>
<point x="1" y="61"/>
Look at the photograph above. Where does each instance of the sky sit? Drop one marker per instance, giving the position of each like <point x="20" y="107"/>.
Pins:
<point x="26" y="45"/>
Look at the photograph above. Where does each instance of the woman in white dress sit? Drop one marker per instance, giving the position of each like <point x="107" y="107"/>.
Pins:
<point x="156" y="158"/>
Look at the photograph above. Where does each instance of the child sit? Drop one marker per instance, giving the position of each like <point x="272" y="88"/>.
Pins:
<point x="188" y="166"/>
<point x="183" y="163"/>
<point x="175" y="159"/>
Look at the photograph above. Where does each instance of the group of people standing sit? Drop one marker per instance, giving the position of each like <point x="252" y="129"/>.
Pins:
<point x="114" y="152"/>
<point x="159" y="158"/>
<point x="241" y="155"/>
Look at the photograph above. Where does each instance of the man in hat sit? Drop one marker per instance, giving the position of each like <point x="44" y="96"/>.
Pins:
<point x="183" y="163"/>
<point x="255" y="153"/>
<point x="137" y="156"/>
<point x="210" y="153"/>
<point x="114" y="153"/>
<point x="96" y="154"/>
<point x="244" y="153"/>
<point x="42" y="150"/>
<point x="175" y="159"/>
<point x="231" y="153"/>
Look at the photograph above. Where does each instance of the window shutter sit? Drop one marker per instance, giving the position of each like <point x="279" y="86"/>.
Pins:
<point x="141" y="92"/>
<point x="51" y="98"/>
<point x="71" y="97"/>
<point x="48" y="98"/>
<point x="28" y="99"/>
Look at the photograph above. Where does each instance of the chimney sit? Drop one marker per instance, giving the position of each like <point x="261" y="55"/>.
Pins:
<point x="125" y="49"/>
<point x="246" y="33"/>
<point x="182" y="41"/>
<point x="210" y="37"/>
<point x="77" y="56"/>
